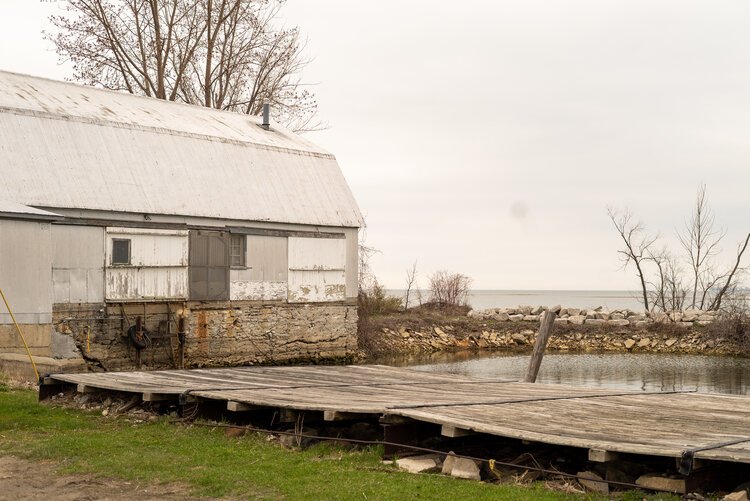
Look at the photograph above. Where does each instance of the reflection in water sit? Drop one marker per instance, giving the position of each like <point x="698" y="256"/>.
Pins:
<point x="649" y="372"/>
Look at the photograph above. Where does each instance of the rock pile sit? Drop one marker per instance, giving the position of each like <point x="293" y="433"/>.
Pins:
<point x="597" y="316"/>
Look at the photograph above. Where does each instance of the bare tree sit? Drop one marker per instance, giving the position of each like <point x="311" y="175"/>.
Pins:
<point x="411" y="278"/>
<point x="668" y="291"/>
<point x="450" y="289"/>
<point x="225" y="54"/>
<point x="664" y="285"/>
<point x="637" y="244"/>
<point x="701" y="241"/>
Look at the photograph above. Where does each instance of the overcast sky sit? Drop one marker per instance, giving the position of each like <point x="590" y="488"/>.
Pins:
<point x="488" y="138"/>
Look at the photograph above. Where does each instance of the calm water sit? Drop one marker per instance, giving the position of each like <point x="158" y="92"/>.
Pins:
<point x="625" y="371"/>
<point x="483" y="299"/>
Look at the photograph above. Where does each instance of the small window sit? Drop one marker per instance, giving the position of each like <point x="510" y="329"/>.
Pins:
<point x="237" y="252"/>
<point x="120" y="251"/>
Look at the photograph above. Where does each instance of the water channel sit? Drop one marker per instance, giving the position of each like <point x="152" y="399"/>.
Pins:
<point x="648" y="372"/>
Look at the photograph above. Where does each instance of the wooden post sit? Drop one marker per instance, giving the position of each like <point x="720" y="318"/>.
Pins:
<point x="545" y="329"/>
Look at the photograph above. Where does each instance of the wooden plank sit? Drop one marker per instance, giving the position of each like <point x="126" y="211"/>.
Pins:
<point x="601" y="420"/>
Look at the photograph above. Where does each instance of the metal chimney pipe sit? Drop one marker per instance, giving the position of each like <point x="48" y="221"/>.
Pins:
<point x="266" y="116"/>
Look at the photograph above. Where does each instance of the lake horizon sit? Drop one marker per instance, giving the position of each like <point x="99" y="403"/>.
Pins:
<point x="481" y="299"/>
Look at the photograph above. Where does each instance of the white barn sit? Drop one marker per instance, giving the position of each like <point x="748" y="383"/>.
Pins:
<point x="220" y="240"/>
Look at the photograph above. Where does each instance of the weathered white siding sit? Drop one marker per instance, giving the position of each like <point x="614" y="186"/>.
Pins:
<point x="352" y="262"/>
<point x="78" y="264"/>
<point x="317" y="269"/>
<point x="158" y="268"/>
<point x="265" y="276"/>
<point x="26" y="271"/>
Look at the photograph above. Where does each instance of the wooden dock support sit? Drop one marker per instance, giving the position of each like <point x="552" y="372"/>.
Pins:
<point x="241" y="407"/>
<point x="545" y="330"/>
<point x="602" y="456"/>
<point x="346" y="416"/>
<point x="159" y="397"/>
<point x="453" y="432"/>
<point x="82" y="388"/>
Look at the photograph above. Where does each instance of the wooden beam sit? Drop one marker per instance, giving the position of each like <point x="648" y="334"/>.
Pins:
<point x="602" y="456"/>
<point x="345" y="416"/>
<point x="82" y="388"/>
<point x="159" y="397"/>
<point x="545" y="330"/>
<point x="453" y="432"/>
<point x="241" y="406"/>
<point x="287" y="415"/>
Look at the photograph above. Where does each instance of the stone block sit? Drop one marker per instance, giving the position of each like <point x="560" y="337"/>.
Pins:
<point x="593" y="482"/>
<point x="621" y="322"/>
<point x="577" y="319"/>
<point x="661" y="483"/>
<point x="420" y="464"/>
<point x="461" y="468"/>
<point x="736" y="496"/>
<point x="596" y="321"/>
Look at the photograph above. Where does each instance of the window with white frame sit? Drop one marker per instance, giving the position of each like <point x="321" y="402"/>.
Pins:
<point x="237" y="250"/>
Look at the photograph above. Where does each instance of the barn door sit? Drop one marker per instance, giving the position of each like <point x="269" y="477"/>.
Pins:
<point x="209" y="265"/>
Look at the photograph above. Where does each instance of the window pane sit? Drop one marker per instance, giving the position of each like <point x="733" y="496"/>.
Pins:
<point x="120" y="251"/>
<point x="237" y="251"/>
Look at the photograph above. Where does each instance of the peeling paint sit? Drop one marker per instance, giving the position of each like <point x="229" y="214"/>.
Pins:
<point x="247" y="290"/>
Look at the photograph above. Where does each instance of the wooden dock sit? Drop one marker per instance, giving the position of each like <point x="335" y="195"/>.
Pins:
<point x="684" y="425"/>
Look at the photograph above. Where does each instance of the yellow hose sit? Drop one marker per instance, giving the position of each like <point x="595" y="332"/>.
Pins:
<point x="28" y="351"/>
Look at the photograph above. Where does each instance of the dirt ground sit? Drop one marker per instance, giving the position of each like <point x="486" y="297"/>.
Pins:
<point x="27" y="480"/>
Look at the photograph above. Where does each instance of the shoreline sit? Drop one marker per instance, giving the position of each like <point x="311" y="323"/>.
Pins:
<point x="690" y="333"/>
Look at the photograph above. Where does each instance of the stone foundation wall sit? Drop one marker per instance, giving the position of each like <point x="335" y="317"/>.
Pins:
<point x="217" y="334"/>
<point x="270" y="333"/>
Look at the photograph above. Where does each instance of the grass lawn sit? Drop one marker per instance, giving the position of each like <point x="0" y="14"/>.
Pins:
<point x="211" y="464"/>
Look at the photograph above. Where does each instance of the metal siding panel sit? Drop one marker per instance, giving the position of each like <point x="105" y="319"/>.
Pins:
<point x="209" y="265"/>
<point x="135" y="284"/>
<point x="352" y="262"/>
<point x="151" y="248"/>
<point x="317" y="270"/>
<point x="26" y="271"/>
<point x="161" y="172"/>
<point x="158" y="268"/>
<point x="317" y="253"/>
<point x="78" y="264"/>
<point x="316" y="286"/>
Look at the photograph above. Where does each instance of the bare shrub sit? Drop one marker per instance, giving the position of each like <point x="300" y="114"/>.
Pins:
<point x="451" y="289"/>
<point x="733" y="322"/>
<point x="376" y="302"/>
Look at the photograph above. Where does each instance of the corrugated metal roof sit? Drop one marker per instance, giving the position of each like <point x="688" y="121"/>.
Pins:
<point x="67" y="146"/>
<point x="13" y="209"/>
